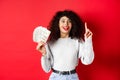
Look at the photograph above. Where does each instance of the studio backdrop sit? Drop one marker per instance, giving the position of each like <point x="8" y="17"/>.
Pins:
<point x="19" y="59"/>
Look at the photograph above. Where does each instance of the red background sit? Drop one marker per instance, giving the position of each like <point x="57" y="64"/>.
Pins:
<point x="20" y="61"/>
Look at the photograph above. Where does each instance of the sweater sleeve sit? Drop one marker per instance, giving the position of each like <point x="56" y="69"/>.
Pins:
<point x="86" y="53"/>
<point x="46" y="60"/>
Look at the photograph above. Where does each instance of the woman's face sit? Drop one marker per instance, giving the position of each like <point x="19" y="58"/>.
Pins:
<point x="65" y="25"/>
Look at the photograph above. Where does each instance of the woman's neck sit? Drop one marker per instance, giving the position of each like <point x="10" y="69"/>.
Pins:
<point x="64" y="35"/>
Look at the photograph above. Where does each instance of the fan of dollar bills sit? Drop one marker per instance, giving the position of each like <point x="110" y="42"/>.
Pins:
<point x="40" y="33"/>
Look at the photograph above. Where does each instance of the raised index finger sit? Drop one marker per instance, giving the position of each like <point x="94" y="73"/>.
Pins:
<point x="86" y="27"/>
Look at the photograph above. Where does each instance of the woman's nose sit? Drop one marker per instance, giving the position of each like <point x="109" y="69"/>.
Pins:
<point x="66" y="23"/>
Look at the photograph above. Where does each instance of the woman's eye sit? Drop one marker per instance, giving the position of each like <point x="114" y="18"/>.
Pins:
<point x="63" y="21"/>
<point x="69" y="21"/>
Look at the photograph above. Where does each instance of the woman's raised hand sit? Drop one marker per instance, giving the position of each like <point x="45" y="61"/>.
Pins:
<point x="88" y="33"/>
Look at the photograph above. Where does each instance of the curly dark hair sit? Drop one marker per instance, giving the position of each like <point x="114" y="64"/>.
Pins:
<point x="77" y="30"/>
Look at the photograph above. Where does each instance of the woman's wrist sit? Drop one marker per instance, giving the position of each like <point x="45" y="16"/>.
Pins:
<point x="43" y="54"/>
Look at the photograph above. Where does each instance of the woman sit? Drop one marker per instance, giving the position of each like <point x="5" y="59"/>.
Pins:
<point x="70" y="40"/>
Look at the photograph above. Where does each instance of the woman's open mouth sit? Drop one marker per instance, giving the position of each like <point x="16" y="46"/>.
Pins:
<point x="66" y="28"/>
